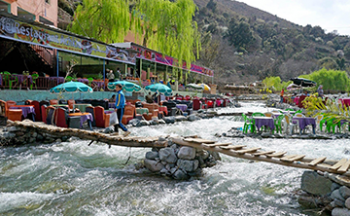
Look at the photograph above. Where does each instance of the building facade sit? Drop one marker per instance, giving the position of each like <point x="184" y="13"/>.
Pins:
<point x="44" y="11"/>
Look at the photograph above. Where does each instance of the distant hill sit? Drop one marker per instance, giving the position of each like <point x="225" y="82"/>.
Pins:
<point x="243" y="44"/>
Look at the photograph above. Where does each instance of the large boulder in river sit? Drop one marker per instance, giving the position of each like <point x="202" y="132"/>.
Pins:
<point x="193" y="117"/>
<point x="186" y="153"/>
<point x="315" y="184"/>
<point x="169" y="120"/>
<point x="180" y="175"/>
<point x="188" y="165"/>
<point x="135" y="122"/>
<point x="340" y="212"/>
<point x="167" y="155"/>
<point x="152" y="165"/>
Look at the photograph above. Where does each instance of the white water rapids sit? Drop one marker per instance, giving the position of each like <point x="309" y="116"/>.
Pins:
<point x="72" y="178"/>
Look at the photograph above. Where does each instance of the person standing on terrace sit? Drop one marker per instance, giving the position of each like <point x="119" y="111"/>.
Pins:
<point x="320" y="91"/>
<point x="119" y="105"/>
<point x="282" y="94"/>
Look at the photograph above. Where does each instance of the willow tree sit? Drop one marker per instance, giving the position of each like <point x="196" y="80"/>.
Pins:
<point x="105" y="20"/>
<point x="168" y="27"/>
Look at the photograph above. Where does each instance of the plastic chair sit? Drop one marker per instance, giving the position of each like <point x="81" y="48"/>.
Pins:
<point x="268" y="114"/>
<point x="71" y="103"/>
<point x="278" y="123"/>
<point x="101" y="119"/>
<point x="34" y="78"/>
<point x="289" y="109"/>
<point x="129" y="111"/>
<point x="43" y="113"/>
<point x="37" y="110"/>
<point x="14" y="115"/>
<point x="8" y="104"/>
<point x="90" y="109"/>
<point x="61" y="117"/>
<point x="9" y="79"/>
<point x="299" y="115"/>
<point x="257" y="114"/>
<point x="53" y="102"/>
<point x="248" y="123"/>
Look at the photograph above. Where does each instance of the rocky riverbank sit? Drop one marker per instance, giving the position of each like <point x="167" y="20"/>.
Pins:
<point x="179" y="162"/>
<point x="325" y="191"/>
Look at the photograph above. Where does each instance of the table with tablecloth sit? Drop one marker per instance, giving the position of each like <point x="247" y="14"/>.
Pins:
<point x="264" y="121"/>
<point x="182" y="107"/>
<point x="26" y="109"/>
<point x="83" y="117"/>
<point x="164" y="109"/>
<point x="141" y="111"/>
<point x="305" y="121"/>
<point x="81" y="107"/>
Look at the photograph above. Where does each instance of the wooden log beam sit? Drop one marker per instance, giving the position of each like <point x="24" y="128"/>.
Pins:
<point x="87" y="135"/>
<point x="301" y="164"/>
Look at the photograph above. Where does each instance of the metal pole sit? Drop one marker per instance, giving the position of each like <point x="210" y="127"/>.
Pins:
<point x="104" y="74"/>
<point x="57" y="65"/>
<point x="141" y="69"/>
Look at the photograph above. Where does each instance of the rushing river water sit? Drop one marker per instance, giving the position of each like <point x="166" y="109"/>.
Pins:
<point x="72" y="178"/>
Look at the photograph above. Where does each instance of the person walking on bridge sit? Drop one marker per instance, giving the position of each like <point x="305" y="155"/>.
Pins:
<point x="119" y="105"/>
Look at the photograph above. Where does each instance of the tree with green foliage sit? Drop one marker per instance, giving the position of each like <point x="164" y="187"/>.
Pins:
<point x="164" y="25"/>
<point x="239" y="34"/>
<point x="275" y="83"/>
<point x="330" y="79"/>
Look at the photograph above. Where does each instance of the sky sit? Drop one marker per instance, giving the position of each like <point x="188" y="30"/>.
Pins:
<point x="329" y="14"/>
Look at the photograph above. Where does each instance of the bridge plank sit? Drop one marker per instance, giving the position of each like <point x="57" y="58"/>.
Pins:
<point x="248" y="150"/>
<point x="278" y="154"/>
<point x="317" y="161"/>
<point x="344" y="167"/>
<point x="233" y="147"/>
<point x="336" y="166"/>
<point x="199" y="141"/>
<point x="216" y="144"/>
<point x="292" y="158"/>
<point x="263" y="153"/>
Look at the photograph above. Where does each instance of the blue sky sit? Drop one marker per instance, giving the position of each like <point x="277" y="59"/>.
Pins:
<point x="329" y="14"/>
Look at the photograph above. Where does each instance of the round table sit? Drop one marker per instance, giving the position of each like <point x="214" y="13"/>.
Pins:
<point x="182" y="107"/>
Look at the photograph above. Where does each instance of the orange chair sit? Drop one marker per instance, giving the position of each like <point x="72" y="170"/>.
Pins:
<point x="152" y="110"/>
<point x="37" y="110"/>
<point x="2" y="108"/>
<point x="129" y="111"/>
<point x="101" y="119"/>
<point x="61" y="118"/>
<point x="8" y="104"/>
<point x="43" y="113"/>
<point x="71" y="104"/>
<point x="53" y="102"/>
<point x="14" y="115"/>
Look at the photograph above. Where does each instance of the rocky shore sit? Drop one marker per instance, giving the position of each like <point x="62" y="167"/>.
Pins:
<point x="327" y="192"/>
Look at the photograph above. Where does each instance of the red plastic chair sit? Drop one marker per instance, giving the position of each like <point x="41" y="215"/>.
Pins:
<point x="101" y="119"/>
<point x="43" y="113"/>
<point x="210" y="103"/>
<point x="196" y="104"/>
<point x="60" y="118"/>
<point x="301" y="98"/>
<point x="8" y="104"/>
<point x="37" y="110"/>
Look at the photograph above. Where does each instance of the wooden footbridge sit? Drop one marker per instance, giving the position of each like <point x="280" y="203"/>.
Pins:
<point x="239" y="151"/>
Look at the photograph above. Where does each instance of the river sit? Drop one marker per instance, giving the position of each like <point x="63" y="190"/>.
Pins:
<point x="72" y="178"/>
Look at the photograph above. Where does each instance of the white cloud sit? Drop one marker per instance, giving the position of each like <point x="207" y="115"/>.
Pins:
<point x="329" y="14"/>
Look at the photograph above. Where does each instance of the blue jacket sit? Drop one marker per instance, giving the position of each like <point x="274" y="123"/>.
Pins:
<point x="120" y="100"/>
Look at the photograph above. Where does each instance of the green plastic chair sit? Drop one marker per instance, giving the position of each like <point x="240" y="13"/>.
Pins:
<point x="258" y="114"/>
<point x="248" y="122"/>
<point x="7" y="78"/>
<point x="299" y="111"/>
<point x="69" y="78"/>
<point x="331" y="125"/>
<point x="289" y="109"/>
<point x="90" y="81"/>
<point x="34" y="77"/>
<point x="278" y="123"/>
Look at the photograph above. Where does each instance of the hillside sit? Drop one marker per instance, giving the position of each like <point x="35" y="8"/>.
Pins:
<point x="245" y="44"/>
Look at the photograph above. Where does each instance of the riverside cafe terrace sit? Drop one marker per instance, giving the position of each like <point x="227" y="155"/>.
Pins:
<point x="57" y="48"/>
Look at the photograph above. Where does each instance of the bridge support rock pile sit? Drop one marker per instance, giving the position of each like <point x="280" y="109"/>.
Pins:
<point x="326" y="191"/>
<point x="179" y="162"/>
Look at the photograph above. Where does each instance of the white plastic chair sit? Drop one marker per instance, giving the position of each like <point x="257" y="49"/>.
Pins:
<point x="268" y="114"/>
